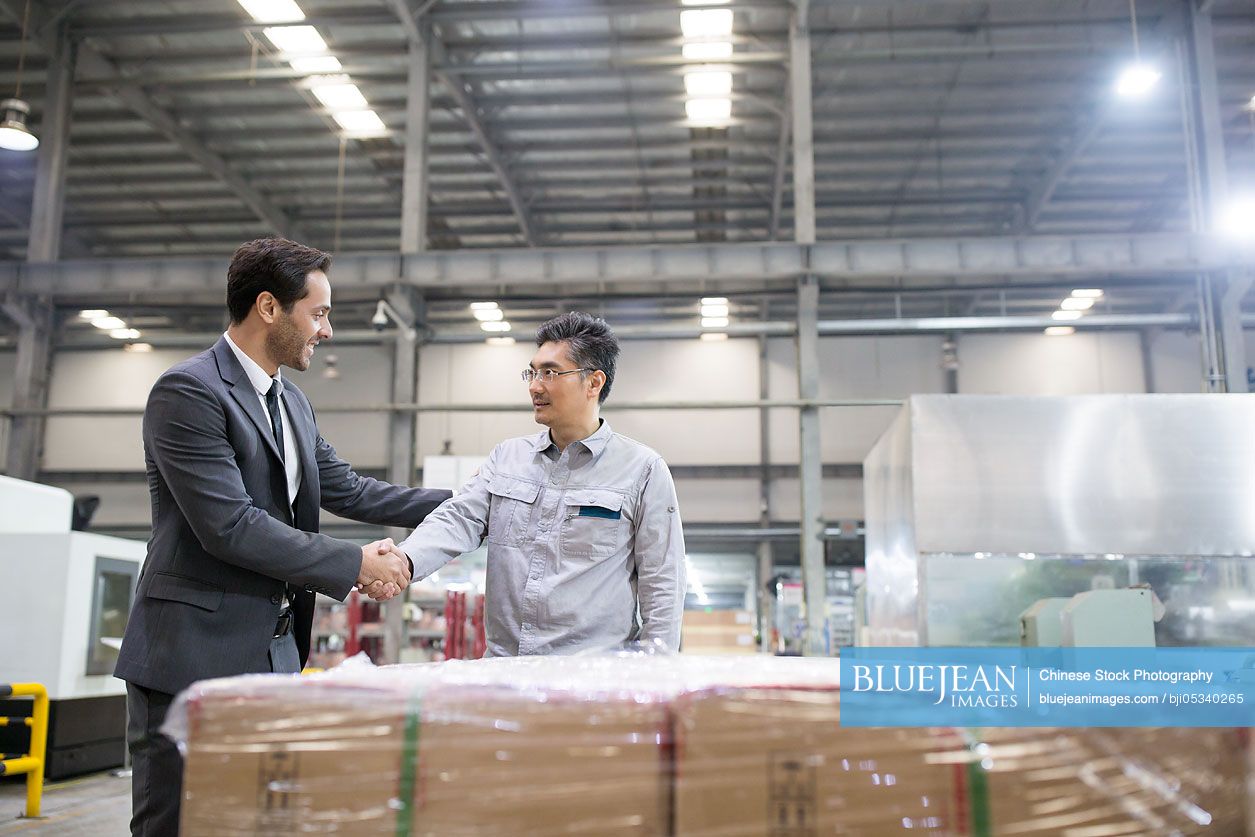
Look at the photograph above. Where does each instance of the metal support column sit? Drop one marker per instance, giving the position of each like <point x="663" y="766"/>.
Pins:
<point x="34" y="319"/>
<point x="1227" y="353"/>
<point x="414" y="184"/>
<point x="402" y="436"/>
<point x="810" y="465"/>
<point x="1232" y="338"/>
<point x="950" y="361"/>
<point x="766" y="563"/>
<point x="1146" y="342"/>
<point x="47" y="208"/>
<point x="803" y="134"/>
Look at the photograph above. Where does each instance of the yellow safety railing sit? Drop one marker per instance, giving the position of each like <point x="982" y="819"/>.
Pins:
<point x="32" y="763"/>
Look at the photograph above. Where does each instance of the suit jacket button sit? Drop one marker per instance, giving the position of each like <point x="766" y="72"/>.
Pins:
<point x="276" y="598"/>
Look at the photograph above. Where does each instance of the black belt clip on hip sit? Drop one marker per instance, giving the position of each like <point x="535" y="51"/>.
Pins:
<point x="284" y="624"/>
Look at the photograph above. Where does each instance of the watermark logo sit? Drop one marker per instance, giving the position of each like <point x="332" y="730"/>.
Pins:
<point x="955" y="685"/>
<point x="1069" y="687"/>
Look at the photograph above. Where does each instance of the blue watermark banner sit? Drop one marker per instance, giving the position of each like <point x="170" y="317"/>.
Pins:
<point x="1048" y="687"/>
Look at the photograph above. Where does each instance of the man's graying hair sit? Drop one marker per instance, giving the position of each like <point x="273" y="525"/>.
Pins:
<point x="589" y="340"/>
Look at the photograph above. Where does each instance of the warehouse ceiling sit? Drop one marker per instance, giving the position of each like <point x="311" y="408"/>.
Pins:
<point x="566" y="126"/>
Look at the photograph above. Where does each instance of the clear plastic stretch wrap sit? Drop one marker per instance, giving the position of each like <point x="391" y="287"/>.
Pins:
<point x="663" y="745"/>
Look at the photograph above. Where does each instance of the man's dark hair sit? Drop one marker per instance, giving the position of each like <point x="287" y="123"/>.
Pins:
<point x="270" y="264"/>
<point x="589" y="340"/>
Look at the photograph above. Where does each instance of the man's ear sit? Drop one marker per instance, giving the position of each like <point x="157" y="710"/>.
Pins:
<point x="598" y="380"/>
<point x="267" y="306"/>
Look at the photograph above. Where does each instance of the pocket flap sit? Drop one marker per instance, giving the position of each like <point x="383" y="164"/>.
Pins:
<point x="514" y="488"/>
<point x="179" y="588"/>
<point x="599" y="497"/>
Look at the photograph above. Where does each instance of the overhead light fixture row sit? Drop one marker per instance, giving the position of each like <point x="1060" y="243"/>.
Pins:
<point x="273" y="11"/>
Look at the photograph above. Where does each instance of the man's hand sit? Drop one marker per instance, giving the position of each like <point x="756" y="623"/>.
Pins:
<point x="385" y="570"/>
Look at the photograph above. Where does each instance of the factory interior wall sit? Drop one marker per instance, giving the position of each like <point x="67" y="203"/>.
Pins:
<point x="869" y="367"/>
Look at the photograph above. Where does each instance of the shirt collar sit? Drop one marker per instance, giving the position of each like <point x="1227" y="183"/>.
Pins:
<point x="256" y="375"/>
<point x="594" y="444"/>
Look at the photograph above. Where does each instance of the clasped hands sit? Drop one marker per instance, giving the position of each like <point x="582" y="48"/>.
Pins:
<point x="385" y="570"/>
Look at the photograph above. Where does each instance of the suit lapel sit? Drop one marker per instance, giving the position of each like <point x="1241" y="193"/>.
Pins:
<point x="244" y="394"/>
<point x="305" y="434"/>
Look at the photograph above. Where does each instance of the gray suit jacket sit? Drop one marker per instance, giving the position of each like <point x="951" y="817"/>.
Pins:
<point x="225" y="542"/>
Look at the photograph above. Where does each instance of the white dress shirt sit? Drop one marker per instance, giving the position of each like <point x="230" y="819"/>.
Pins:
<point x="261" y="382"/>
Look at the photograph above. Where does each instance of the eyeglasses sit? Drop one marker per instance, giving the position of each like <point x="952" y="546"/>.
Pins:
<point x="547" y="376"/>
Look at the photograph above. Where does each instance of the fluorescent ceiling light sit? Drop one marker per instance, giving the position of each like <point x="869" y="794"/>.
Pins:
<point x="92" y="313"/>
<point x="108" y="323"/>
<point x="1087" y="293"/>
<point x="273" y="11"/>
<point x="340" y="94"/>
<point x="1238" y="218"/>
<point x="1060" y="331"/>
<point x="489" y="315"/>
<point x="124" y="333"/>
<point x="316" y="64"/>
<point x="706" y="23"/>
<point x="709" y="83"/>
<point x="708" y="111"/>
<point x="714" y="300"/>
<point x="138" y="347"/>
<point x="1077" y="303"/>
<point x="361" y="122"/>
<point x="1137" y="80"/>
<point x="1066" y="315"/>
<point x="713" y="336"/>
<point x="712" y="51"/>
<point x="500" y="341"/>
<point x="714" y="310"/>
<point x="483" y="306"/>
<point x="714" y="322"/>
<point x="500" y="325"/>
<point x="298" y="40"/>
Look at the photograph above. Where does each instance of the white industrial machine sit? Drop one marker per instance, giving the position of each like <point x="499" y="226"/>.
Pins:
<point x="67" y="596"/>
<point x="1096" y="618"/>
<point x="978" y="506"/>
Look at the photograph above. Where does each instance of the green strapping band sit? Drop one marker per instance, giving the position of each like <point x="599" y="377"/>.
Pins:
<point x="978" y="790"/>
<point x="409" y="764"/>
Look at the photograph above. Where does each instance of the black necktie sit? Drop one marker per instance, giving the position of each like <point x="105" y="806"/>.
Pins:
<point x="276" y="423"/>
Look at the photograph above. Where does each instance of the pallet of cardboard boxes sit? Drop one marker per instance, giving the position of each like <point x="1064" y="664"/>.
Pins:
<point x="654" y="745"/>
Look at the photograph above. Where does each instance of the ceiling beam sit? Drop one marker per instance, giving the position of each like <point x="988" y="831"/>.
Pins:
<point x="92" y="63"/>
<point x="1043" y="189"/>
<point x="470" y="111"/>
<point x="961" y="259"/>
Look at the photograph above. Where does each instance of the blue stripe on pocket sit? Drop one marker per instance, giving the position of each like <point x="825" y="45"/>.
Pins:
<point x="598" y="511"/>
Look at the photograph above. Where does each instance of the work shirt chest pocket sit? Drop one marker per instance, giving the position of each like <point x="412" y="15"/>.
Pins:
<point x="510" y="512"/>
<point x="595" y="523"/>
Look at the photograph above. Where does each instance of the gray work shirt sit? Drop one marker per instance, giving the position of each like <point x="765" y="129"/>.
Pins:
<point x="577" y="539"/>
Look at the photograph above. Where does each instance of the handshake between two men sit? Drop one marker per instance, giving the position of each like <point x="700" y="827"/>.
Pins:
<point x="385" y="570"/>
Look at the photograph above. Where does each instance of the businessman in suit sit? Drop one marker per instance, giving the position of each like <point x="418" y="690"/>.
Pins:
<point x="236" y="473"/>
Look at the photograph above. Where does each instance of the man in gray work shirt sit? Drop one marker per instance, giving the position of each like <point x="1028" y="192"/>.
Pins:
<point x="585" y="546"/>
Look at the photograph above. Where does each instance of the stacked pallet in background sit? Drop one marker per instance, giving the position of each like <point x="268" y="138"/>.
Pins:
<point x="655" y="745"/>
<point x="718" y="632"/>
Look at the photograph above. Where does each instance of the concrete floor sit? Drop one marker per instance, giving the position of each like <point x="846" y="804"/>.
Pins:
<point x="87" y="806"/>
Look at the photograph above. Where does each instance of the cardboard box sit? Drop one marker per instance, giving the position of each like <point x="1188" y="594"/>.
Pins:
<point x="490" y="761"/>
<point x="775" y="762"/>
